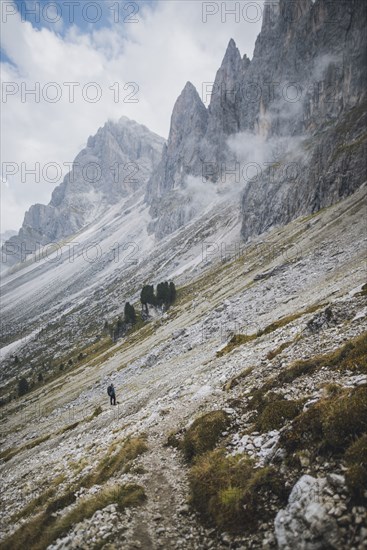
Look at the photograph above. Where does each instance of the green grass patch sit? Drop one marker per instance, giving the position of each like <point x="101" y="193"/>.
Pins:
<point x="97" y="411"/>
<point x="276" y="413"/>
<point x="41" y="500"/>
<point x="235" y="341"/>
<point x="277" y="351"/>
<point x="204" y="434"/>
<point x="356" y="475"/>
<point x="330" y="425"/>
<point x="117" y="459"/>
<point x="44" y="528"/>
<point x="231" y="494"/>
<point x="34" y="505"/>
<point x="69" y="427"/>
<point x="241" y="339"/>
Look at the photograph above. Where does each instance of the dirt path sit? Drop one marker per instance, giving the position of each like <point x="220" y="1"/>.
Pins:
<point x="165" y="522"/>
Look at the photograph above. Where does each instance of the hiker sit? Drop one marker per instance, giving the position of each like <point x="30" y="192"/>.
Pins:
<point x="112" y="394"/>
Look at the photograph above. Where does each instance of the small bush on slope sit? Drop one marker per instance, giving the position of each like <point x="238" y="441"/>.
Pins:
<point x="230" y="493"/>
<point x="203" y="434"/>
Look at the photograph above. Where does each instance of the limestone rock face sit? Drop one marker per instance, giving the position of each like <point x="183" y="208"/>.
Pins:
<point x="116" y="162"/>
<point x="296" y="112"/>
<point x="306" y="523"/>
<point x="196" y="148"/>
<point x="188" y="127"/>
<point x="320" y="102"/>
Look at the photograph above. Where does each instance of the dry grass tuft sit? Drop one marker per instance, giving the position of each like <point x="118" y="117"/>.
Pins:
<point x="203" y="434"/>
<point x="230" y="493"/>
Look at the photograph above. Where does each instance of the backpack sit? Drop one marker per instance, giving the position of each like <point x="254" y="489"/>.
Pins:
<point x="109" y="391"/>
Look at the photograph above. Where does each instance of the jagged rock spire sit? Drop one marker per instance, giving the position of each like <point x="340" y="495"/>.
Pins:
<point x="189" y="116"/>
<point x="226" y="89"/>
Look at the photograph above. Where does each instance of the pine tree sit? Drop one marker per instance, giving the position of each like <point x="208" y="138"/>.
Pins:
<point x="120" y="329"/>
<point x="172" y="293"/>
<point x="23" y="386"/>
<point x="130" y="315"/>
<point x="160" y="294"/>
<point x="147" y="296"/>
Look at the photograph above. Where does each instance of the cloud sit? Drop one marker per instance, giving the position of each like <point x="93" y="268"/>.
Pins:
<point x="259" y="158"/>
<point x="168" y="45"/>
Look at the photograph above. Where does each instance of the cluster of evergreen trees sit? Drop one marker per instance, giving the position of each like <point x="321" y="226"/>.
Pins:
<point x="164" y="296"/>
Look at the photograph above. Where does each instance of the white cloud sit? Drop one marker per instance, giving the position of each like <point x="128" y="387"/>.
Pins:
<point x="168" y="46"/>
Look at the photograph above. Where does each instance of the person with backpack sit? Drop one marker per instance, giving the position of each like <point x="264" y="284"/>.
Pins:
<point x="112" y="394"/>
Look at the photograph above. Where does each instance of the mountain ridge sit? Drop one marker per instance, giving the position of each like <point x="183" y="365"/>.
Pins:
<point x="115" y="163"/>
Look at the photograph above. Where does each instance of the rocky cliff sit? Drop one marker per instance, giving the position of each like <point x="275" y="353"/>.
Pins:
<point x="288" y="127"/>
<point x="316" y="52"/>
<point x="117" y="161"/>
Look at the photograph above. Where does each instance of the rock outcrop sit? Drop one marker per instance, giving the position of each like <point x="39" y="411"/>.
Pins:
<point x="314" y="119"/>
<point x="306" y="523"/>
<point x="180" y="158"/>
<point x="197" y="148"/>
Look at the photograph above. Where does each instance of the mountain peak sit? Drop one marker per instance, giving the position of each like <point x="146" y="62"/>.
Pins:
<point x="188" y="101"/>
<point x="232" y="55"/>
<point x="190" y="90"/>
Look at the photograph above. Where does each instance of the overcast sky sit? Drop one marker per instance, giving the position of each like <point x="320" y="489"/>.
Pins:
<point x="89" y="49"/>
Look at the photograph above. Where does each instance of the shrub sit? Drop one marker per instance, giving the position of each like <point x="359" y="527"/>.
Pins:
<point x="130" y="315"/>
<point x="229" y="492"/>
<point x="356" y="475"/>
<point x="276" y="413"/>
<point x="331" y="424"/>
<point x="23" y="386"/>
<point x="204" y="434"/>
